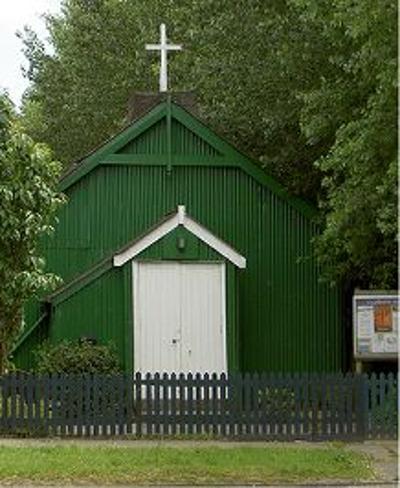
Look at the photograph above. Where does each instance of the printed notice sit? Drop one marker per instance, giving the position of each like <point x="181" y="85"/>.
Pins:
<point x="391" y="343"/>
<point x="378" y="343"/>
<point x="365" y="317"/>
<point x="376" y="325"/>
<point x="395" y="320"/>
<point x="383" y="321"/>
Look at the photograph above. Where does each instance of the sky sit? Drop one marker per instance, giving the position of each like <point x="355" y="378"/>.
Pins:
<point x="14" y="14"/>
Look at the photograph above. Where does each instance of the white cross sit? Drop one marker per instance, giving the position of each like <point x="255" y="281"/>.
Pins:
<point x="164" y="48"/>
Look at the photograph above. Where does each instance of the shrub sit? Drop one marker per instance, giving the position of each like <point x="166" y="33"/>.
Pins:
<point x="76" y="358"/>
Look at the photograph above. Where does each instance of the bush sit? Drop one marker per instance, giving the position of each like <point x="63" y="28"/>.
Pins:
<point x="76" y="358"/>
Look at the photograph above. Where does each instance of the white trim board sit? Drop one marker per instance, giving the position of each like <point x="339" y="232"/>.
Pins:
<point x="180" y="218"/>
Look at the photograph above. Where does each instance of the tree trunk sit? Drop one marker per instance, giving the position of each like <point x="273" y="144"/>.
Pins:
<point x="2" y="359"/>
<point x="9" y="330"/>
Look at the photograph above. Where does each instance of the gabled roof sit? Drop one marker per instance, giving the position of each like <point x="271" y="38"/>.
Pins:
<point x="219" y="153"/>
<point x="171" y="223"/>
<point x="121" y="256"/>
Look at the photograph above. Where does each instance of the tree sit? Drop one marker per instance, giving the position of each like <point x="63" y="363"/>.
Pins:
<point x="232" y="57"/>
<point x="79" y="94"/>
<point x="307" y="87"/>
<point x="28" y="202"/>
<point x="357" y="104"/>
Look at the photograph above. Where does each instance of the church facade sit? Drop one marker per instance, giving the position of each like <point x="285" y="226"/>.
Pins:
<point x="187" y="256"/>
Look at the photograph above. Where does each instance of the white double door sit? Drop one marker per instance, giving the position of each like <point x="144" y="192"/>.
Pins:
<point x="179" y="317"/>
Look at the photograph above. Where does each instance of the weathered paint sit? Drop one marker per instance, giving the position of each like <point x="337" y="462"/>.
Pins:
<point x="289" y="321"/>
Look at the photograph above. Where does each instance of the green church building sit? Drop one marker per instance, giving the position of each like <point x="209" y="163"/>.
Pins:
<point x="186" y="255"/>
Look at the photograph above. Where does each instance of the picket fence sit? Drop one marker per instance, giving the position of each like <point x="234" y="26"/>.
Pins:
<point x="281" y="407"/>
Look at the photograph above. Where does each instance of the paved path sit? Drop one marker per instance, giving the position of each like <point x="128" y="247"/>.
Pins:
<point x="328" y="484"/>
<point x="139" y="444"/>
<point x="384" y="456"/>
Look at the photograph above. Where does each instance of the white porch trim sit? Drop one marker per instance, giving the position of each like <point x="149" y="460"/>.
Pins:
<point x="180" y="218"/>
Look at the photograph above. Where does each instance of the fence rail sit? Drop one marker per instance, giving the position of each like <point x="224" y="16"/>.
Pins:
<point x="284" y="407"/>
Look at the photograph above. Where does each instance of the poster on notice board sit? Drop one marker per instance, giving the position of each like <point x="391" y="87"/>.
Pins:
<point x="375" y="325"/>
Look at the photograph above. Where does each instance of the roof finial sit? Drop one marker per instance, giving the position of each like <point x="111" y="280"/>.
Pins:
<point x="163" y="47"/>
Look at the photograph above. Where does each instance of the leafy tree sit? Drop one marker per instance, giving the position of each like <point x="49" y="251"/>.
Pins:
<point x="232" y="57"/>
<point x="78" y="95"/>
<point x="28" y="202"/>
<point x="307" y="87"/>
<point x="6" y="112"/>
<point x="357" y="104"/>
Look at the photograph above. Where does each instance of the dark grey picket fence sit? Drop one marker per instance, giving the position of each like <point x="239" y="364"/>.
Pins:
<point x="284" y="407"/>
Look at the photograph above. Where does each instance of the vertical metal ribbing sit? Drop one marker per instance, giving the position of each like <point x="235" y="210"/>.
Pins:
<point x="169" y="135"/>
<point x="285" y="313"/>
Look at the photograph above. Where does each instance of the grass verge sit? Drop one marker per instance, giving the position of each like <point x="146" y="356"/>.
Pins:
<point x="200" y="465"/>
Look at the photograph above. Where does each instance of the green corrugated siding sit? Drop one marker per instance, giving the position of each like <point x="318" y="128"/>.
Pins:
<point x="167" y="248"/>
<point x="103" y="309"/>
<point x="32" y="312"/>
<point x="152" y="141"/>
<point x="24" y="356"/>
<point x="183" y="141"/>
<point x="289" y="321"/>
<point x="99" y="310"/>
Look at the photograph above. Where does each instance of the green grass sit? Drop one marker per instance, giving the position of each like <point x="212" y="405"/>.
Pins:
<point x="194" y="465"/>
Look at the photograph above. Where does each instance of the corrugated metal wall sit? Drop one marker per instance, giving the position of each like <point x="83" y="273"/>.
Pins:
<point x="289" y="321"/>
<point x="100" y="311"/>
<point x="103" y="310"/>
<point x="25" y="356"/>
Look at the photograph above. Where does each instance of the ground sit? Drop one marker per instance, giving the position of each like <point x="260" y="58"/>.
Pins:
<point x="384" y="456"/>
<point x="221" y="462"/>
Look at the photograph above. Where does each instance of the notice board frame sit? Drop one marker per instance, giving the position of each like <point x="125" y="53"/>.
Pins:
<point x="373" y="295"/>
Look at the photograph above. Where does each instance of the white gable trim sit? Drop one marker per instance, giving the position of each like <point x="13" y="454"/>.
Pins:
<point x="146" y="241"/>
<point x="214" y="242"/>
<point x="180" y="218"/>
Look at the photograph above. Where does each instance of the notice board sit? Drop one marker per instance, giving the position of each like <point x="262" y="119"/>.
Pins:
<point x="376" y="324"/>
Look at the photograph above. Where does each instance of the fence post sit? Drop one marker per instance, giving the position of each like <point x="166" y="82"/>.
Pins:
<point x="173" y="401"/>
<point x="391" y="421"/>
<point x="314" y="384"/>
<point x="361" y="395"/>
<point x="138" y="403"/>
<point x="5" y="403"/>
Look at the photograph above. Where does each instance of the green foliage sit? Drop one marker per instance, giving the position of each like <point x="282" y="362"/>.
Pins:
<point x="76" y="358"/>
<point x="98" y="57"/>
<point x="276" y="400"/>
<point x="28" y="202"/>
<point x="6" y="113"/>
<point x="207" y="464"/>
<point x="307" y="87"/>
<point x="384" y="404"/>
<point x="233" y="61"/>
<point x="358" y="105"/>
